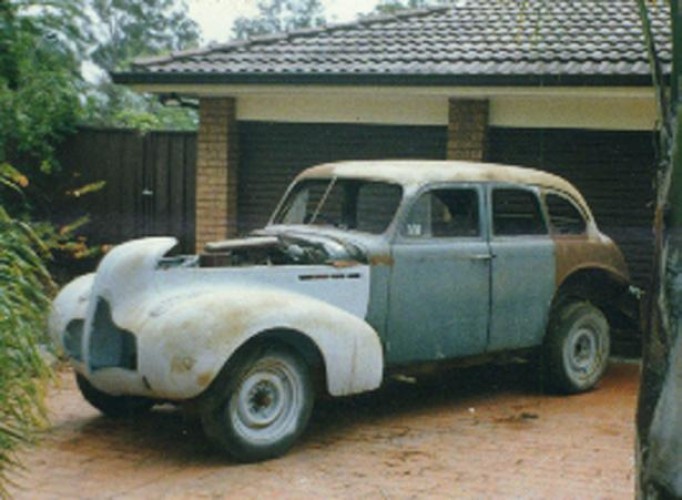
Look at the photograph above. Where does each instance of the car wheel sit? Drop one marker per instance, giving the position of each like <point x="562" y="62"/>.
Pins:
<point x="576" y="348"/>
<point x="262" y="407"/>
<point x="112" y="406"/>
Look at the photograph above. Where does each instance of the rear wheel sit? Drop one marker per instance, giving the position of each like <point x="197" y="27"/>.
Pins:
<point x="576" y="348"/>
<point x="263" y="406"/>
<point x="113" y="406"/>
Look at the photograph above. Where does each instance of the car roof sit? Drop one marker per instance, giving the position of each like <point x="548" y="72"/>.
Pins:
<point x="422" y="172"/>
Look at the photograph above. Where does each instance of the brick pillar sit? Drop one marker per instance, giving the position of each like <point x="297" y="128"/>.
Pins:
<point x="467" y="129"/>
<point x="216" y="195"/>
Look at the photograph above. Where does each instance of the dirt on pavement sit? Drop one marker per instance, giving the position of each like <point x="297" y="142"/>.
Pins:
<point x="486" y="432"/>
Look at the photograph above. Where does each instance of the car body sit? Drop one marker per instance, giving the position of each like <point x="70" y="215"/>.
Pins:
<point x="365" y="269"/>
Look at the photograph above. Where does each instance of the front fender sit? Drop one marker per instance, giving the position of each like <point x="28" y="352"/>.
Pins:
<point x="67" y="315"/>
<point x="185" y="347"/>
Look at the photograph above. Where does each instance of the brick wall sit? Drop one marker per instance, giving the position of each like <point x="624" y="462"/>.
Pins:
<point x="216" y="195"/>
<point x="467" y="129"/>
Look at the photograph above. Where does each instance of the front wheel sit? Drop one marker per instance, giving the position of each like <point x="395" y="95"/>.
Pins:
<point x="577" y="348"/>
<point x="263" y="406"/>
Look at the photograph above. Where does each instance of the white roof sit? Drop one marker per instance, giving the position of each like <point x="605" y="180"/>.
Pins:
<point x="420" y="172"/>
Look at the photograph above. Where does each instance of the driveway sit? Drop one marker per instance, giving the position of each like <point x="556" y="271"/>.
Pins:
<point x="474" y="433"/>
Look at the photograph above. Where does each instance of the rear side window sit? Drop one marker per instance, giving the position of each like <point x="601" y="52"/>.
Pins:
<point x="517" y="212"/>
<point x="564" y="216"/>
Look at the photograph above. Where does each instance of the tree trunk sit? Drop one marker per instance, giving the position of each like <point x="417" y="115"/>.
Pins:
<point x="659" y="413"/>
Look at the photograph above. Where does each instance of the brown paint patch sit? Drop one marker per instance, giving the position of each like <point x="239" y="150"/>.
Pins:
<point x="579" y="252"/>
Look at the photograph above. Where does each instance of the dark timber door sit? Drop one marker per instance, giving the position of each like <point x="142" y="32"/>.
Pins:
<point x="149" y="183"/>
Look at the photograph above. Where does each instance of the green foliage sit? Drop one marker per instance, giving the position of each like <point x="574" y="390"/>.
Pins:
<point x="24" y="288"/>
<point x="277" y="16"/>
<point x="44" y="46"/>
<point x="39" y="83"/>
<point x="393" y="6"/>
<point x="130" y="29"/>
<point x="121" y="107"/>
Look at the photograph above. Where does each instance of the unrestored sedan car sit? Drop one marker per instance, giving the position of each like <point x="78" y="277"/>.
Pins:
<point x="365" y="270"/>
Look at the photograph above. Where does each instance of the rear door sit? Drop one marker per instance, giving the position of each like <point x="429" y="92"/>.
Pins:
<point x="523" y="268"/>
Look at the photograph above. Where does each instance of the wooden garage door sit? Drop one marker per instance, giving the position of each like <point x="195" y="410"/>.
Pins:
<point x="271" y="154"/>
<point x="613" y="170"/>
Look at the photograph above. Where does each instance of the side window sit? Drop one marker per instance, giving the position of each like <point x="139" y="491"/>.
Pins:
<point x="564" y="216"/>
<point x="444" y="213"/>
<point x="516" y="212"/>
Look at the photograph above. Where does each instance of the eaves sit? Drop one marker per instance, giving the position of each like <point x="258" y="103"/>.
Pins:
<point x="483" y="80"/>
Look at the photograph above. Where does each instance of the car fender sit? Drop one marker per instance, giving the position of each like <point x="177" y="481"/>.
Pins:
<point x="70" y="304"/>
<point x="186" y="346"/>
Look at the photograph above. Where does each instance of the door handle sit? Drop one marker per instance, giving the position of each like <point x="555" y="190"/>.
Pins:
<point x="147" y="192"/>
<point x="483" y="256"/>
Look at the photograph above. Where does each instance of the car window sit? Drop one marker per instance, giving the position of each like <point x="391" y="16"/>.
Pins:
<point x="444" y="213"/>
<point x="345" y="203"/>
<point x="376" y="204"/>
<point x="516" y="212"/>
<point x="564" y="216"/>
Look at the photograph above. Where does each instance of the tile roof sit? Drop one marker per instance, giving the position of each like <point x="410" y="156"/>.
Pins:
<point x="572" y="42"/>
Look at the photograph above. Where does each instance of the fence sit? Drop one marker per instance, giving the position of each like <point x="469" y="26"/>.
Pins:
<point x="150" y="183"/>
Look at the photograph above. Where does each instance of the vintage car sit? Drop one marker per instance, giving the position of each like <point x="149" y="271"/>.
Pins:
<point x="365" y="270"/>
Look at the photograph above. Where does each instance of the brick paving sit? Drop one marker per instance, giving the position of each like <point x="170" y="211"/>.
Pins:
<point x="475" y="433"/>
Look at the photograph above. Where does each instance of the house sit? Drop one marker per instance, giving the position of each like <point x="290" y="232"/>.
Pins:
<point x="562" y="85"/>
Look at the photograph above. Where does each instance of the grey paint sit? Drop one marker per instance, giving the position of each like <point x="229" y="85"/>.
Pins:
<point x="438" y="295"/>
<point x="523" y="277"/>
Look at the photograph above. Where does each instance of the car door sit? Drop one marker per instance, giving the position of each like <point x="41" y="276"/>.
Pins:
<point x="439" y="287"/>
<point x="523" y="268"/>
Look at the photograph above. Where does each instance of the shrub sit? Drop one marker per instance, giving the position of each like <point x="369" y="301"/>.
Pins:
<point x="25" y="286"/>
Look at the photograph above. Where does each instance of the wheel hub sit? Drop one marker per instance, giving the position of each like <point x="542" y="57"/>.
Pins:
<point x="584" y="350"/>
<point x="261" y="400"/>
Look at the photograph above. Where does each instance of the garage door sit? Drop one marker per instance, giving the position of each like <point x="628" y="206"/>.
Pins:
<point x="613" y="170"/>
<point x="271" y="154"/>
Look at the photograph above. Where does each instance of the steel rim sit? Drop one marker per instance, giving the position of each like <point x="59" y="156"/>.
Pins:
<point x="583" y="353"/>
<point x="266" y="404"/>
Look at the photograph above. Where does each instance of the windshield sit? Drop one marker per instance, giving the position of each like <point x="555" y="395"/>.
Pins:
<point x="359" y="205"/>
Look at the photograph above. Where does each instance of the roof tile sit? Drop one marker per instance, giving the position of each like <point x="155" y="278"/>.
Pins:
<point x="487" y="38"/>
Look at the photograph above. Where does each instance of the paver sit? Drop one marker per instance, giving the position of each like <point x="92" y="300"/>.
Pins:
<point x="485" y="432"/>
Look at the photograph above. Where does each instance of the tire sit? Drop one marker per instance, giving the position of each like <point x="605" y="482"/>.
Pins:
<point x="113" y="406"/>
<point x="262" y="406"/>
<point x="576" y="348"/>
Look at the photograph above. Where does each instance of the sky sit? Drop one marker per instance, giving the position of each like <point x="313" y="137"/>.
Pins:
<point x="216" y="16"/>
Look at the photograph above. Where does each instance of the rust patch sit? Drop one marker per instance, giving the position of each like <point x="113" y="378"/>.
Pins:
<point x="204" y="379"/>
<point x="182" y="364"/>
<point x="381" y="260"/>
<point x="341" y="264"/>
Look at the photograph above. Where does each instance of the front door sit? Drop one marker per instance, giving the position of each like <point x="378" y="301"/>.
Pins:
<point x="439" y="291"/>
